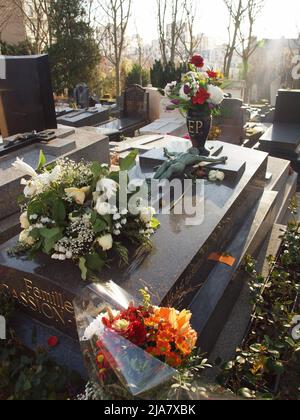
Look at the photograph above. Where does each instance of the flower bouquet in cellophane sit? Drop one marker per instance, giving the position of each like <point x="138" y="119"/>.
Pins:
<point x="134" y="350"/>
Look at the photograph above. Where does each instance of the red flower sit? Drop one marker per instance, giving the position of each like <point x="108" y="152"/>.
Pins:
<point x="197" y="61"/>
<point x="52" y="341"/>
<point x="136" y="333"/>
<point x="201" y="97"/>
<point x="106" y="322"/>
<point x="212" y="74"/>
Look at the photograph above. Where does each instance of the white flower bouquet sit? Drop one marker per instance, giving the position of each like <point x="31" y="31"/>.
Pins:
<point x="72" y="211"/>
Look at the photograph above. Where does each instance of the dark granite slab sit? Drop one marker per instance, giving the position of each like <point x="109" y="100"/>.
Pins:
<point x="285" y="137"/>
<point x="174" y="270"/>
<point x="213" y="303"/>
<point x="156" y="157"/>
<point x="84" y="117"/>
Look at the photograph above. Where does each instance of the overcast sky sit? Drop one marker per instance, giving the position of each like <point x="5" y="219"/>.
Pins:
<point x="280" y="18"/>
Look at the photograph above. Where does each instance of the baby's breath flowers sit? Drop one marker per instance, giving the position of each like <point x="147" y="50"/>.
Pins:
<point x="70" y="211"/>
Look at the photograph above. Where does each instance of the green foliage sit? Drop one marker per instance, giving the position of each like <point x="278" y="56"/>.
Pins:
<point x="58" y="211"/>
<point x="129" y="161"/>
<point x="75" y="55"/>
<point x="42" y="161"/>
<point x="26" y="375"/>
<point x="22" y="48"/>
<point x="83" y="268"/>
<point x="138" y="76"/>
<point x="7" y="305"/>
<point x="94" y="262"/>
<point x="161" y="76"/>
<point x="265" y="366"/>
<point x="122" y="253"/>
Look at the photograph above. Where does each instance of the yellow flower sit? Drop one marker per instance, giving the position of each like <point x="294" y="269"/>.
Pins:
<point x="79" y="194"/>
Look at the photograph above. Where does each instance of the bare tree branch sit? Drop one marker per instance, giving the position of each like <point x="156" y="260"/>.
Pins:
<point x="171" y="25"/>
<point x="112" y="33"/>
<point x="35" y="15"/>
<point x="248" y="42"/>
<point x="190" y="41"/>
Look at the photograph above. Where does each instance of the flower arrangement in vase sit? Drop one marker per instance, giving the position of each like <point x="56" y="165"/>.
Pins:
<point x="198" y="96"/>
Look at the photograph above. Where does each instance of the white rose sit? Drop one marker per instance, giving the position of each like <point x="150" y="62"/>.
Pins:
<point x="103" y="208"/>
<point x="220" y="176"/>
<point x="105" y="242"/>
<point x="25" y="238"/>
<point x="24" y="221"/>
<point x="30" y="188"/>
<point x="216" y="176"/>
<point x="216" y="94"/>
<point x="108" y="186"/>
<point x="146" y="214"/>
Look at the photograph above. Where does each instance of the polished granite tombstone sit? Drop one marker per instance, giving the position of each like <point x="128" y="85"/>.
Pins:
<point x="231" y="121"/>
<point x="282" y="139"/>
<point x="86" y="117"/>
<point x="175" y="269"/>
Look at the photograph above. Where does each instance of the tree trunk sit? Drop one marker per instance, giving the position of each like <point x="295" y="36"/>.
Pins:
<point x="118" y="79"/>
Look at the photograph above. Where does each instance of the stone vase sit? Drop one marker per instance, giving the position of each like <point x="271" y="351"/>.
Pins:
<point x="199" y="124"/>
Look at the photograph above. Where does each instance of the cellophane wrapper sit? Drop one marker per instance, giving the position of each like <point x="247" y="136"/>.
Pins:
<point x="120" y="368"/>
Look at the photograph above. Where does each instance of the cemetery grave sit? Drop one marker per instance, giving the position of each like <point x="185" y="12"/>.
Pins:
<point x="195" y="263"/>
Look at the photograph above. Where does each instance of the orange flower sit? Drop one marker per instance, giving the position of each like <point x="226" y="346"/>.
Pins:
<point x="174" y="360"/>
<point x="170" y="327"/>
<point x="153" y="351"/>
<point x="163" y="347"/>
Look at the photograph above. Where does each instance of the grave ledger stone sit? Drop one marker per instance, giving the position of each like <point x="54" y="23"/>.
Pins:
<point x="174" y="270"/>
<point x="282" y="139"/>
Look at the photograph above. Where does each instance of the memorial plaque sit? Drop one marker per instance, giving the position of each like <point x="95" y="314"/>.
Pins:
<point x="38" y="292"/>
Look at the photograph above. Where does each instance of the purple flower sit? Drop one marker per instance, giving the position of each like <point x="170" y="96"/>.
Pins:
<point x="211" y="106"/>
<point x="186" y="89"/>
<point x="175" y="101"/>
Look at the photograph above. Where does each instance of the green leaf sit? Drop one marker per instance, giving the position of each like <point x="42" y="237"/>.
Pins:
<point x="96" y="169"/>
<point x="246" y="393"/>
<point x="42" y="161"/>
<point x="114" y="176"/>
<point x="35" y="207"/>
<point x="94" y="262"/>
<point x="256" y="348"/>
<point x="276" y="366"/>
<point x="51" y="236"/>
<point x="50" y="233"/>
<point x="58" y="211"/>
<point x="155" y="223"/>
<point x="99" y="225"/>
<point x="83" y="268"/>
<point x="129" y="162"/>
<point x="35" y="233"/>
